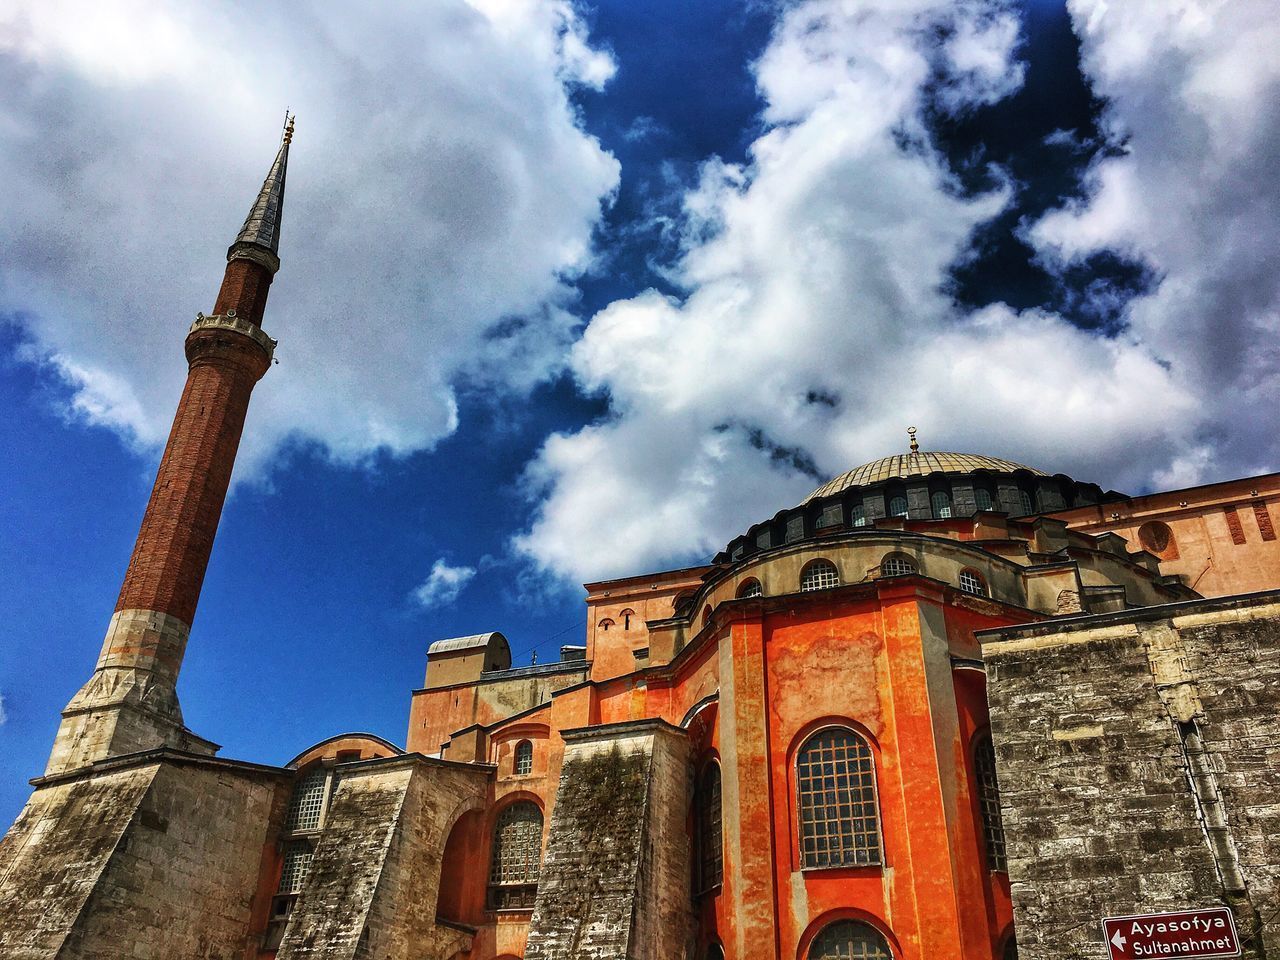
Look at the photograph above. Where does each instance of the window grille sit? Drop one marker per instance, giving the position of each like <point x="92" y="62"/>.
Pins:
<point x="517" y="852"/>
<point x="1024" y="503"/>
<point x="297" y="864"/>
<point x="839" y="819"/>
<point x="751" y="588"/>
<point x="898" y="507"/>
<point x="524" y="758"/>
<point x="982" y="498"/>
<point x="972" y="582"/>
<point x="819" y="575"/>
<point x="848" y="940"/>
<point x="307" y="802"/>
<point x="941" y="504"/>
<point x="989" y="802"/>
<point x="710" y="830"/>
<point x="858" y="514"/>
<point x="895" y="565"/>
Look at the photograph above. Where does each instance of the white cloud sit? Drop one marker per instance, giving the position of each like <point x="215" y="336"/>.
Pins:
<point x="1193" y="89"/>
<point x="442" y="585"/>
<point x="816" y="324"/>
<point x="440" y="183"/>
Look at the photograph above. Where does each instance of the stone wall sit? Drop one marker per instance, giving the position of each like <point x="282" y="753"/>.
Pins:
<point x="153" y="856"/>
<point x="615" y="876"/>
<point x="375" y="876"/>
<point x="1139" y="765"/>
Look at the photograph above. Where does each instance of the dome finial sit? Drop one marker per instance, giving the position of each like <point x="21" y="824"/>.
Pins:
<point x="911" y="432"/>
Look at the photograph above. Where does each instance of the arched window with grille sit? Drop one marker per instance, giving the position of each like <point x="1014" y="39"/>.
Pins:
<point x="523" y="763"/>
<point x="898" y="506"/>
<point x="516" y="857"/>
<point x="307" y="802"/>
<point x="971" y="582"/>
<point x="858" y="515"/>
<point x="750" y="588"/>
<point x="897" y="565"/>
<point x="983" y="499"/>
<point x="1025" y="504"/>
<point x="984" y="763"/>
<point x="836" y="799"/>
<point x="849" y="940"/>
<point x="940" y="503"/>
<point x="707" y="805"/>
<point x="819" y="575"/>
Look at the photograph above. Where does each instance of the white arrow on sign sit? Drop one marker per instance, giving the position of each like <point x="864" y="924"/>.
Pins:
<point x="1118" y="940"/>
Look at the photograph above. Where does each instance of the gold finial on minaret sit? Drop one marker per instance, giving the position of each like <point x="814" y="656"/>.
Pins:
<point x="288" y="127"/>
<point x="911" y="432"/>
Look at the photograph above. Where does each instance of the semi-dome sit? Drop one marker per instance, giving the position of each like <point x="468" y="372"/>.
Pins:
<point x="918" y="464"/>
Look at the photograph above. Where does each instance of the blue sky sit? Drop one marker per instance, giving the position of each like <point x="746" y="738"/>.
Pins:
<point x="571" y="292"/>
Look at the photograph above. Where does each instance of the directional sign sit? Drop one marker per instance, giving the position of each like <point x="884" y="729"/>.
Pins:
<point x="1199" y="934"/>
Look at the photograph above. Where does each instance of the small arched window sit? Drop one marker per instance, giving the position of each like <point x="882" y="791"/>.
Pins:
<point x="710" y="830"/>
<point x="897" y="565"/>
<point x="626" y="616"/>
<point x="858" y="515"/>
<point x="984" y="762"/>
<point x="750" y="588"/>
<point x="524" y="758"/>
<point x="516" y="857"/>
<point x="1025" y="504"/>
<point x="605" y="624"/>
<point x="898" y="506"/>
<point x="982" y="498"/>
<point x="836" y="799"/>
<point x="819" y="575"/>
<point x="971" y="582"/>
<point x="940" y="502"/>
<point x="847" y="939"/>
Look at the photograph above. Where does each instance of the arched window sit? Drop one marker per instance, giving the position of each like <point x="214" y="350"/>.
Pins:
<point x="307" y="801"/>
<point x="710" y="831"/>
<point x="897" y="565"/>
<point x="517" y="853"/>
<point x="819" y="575"/>
<point x="751" y="588"/>
<point x="524" y="758"/>
<point x="1025" y="504"/>
<point x="847" y="939"/>
<point x="898" y="506"/>
<point x="858" y="515"/>
<point x="626" y="616"/>
<point x="971" y="582"/>
<point x="605" y="624"/>
<point x="941" y="504"/>
<point x="836" y="797"/>
<point x="984" y="762"/>
<point x="982" y="497"/>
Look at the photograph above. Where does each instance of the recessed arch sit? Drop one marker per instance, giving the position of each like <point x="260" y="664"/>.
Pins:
<point x="1156" y="536"/>
<point x="515" y="856"/>
<point x="709" y="827"/>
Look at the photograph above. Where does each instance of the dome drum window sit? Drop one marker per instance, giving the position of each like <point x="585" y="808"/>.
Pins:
<point x="897" y="565"/>
<point x="750" y="588"/>
<point x="819" y="575"/>
<point x="940" y="504"/>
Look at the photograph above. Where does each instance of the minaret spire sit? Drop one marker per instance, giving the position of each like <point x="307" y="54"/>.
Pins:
<point x="131" y="702"/>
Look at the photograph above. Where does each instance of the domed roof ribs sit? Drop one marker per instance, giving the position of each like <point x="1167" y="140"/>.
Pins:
<point x="903" y="465"/>
<point x="261" y="231"/>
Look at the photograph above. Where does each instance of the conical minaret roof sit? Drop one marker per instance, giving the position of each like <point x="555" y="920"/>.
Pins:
<point x="261" y="228"/>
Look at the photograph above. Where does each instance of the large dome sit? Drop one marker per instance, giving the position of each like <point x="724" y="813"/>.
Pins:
<point x="922" y="463"/>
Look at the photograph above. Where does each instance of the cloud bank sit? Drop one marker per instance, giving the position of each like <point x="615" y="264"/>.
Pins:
<point x="815" y="325"/>
<point x="441" y="200"/>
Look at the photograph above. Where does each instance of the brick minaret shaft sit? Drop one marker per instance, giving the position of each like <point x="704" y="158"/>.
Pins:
<point x="131" y="703"/>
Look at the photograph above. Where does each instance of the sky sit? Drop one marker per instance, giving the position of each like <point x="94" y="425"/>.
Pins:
<point x="573" y="291"/>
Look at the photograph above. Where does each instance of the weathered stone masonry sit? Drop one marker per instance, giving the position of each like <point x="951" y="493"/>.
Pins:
<point x="1139" y="764"/>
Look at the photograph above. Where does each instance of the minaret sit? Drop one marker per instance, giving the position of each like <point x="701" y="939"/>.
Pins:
<point x="131" y="702"/>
